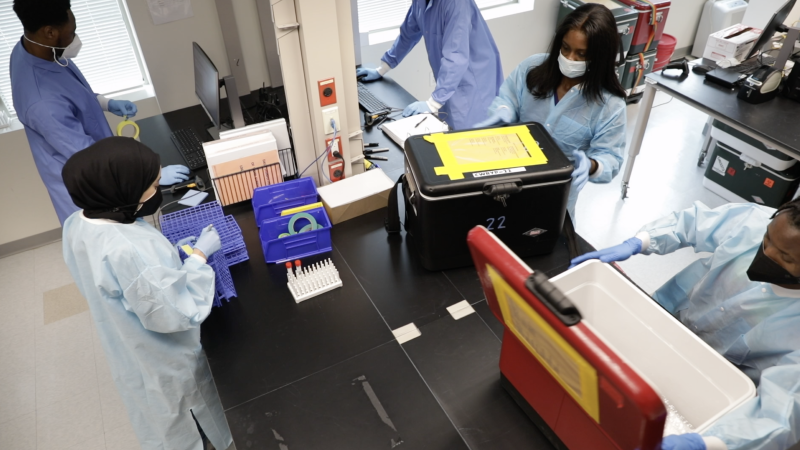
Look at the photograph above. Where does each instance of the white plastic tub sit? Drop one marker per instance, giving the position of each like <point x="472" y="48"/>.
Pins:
<point x="698" y="381"/>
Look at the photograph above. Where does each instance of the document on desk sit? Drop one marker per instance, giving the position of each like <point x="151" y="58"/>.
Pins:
<point x="400" y="130"/>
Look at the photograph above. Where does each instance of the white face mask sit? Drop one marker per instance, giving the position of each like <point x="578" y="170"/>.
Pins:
<point x="569" y="68"/>
<point x="70" y="51"/>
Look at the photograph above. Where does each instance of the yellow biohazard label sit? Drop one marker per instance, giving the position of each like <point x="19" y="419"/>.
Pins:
<point x="482" y="150"/>
<point x="553" y="352"/>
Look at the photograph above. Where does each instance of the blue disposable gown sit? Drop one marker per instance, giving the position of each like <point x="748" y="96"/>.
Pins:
<point x="461" y="52"/>
<point x="61" y="115"/>
<point x="756" y="326"/>
<point x="148" y="307"/>
<point x="575" y="123"/>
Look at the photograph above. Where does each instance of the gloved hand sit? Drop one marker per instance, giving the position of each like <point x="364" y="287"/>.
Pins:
<point x="185" y="241"/>
<point x="122" y="108"/>
<point x="371" y="74"/>
<point x="616" y="253"/>
<point x="689" y="441"/>
<point x="416" y="108"/>
<point x="501" y="115"/>
<point x="208" y="242"/>
<point x="580" y="175"/>
<point x="174" y="174"/>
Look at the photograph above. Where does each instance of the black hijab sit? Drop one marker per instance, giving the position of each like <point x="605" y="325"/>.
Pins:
<point x="108" y="178"/>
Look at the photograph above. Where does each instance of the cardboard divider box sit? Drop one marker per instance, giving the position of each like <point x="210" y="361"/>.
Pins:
<point x="356" y="195"/>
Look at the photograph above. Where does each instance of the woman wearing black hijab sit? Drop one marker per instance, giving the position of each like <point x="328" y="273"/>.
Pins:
<point x="146" y="303"/>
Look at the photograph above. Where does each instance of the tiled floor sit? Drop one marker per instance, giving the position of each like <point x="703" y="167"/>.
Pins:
<point x="55" y="387"/>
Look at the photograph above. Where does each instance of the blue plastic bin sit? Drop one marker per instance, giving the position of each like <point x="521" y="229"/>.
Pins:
<point x="298" y="245"/>
<point x="269" y="201"/>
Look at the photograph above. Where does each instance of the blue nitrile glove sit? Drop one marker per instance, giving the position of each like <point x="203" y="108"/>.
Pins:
<point x="185" y="241"/>
<point x="208" y="242"/>
<point x="616" y="253"/>
<point x="122" y="108"/>
<point x="502" y="115"/>
<point x="174" y="174"/>
<point x="690" y="441"/>
<point x="371" y="74"/>
<point x="580" y="175"/>
<point x="416" y="108"/>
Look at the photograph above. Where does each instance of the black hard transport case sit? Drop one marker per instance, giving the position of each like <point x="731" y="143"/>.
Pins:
<point x="523" y="206"/>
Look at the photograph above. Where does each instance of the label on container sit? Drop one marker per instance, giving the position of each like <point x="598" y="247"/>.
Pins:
<point x="720" y="165"/>
<point x="491" y="173"/>
<point x="554" y="353"/>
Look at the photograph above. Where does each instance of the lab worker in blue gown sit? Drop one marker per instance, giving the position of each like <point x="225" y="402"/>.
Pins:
<point x="574" y="92"/>
<point x="54" y="101"/>
<point x="744" y="301"/>
<point x="147" y="305"/>
<point x="461" y="52"/>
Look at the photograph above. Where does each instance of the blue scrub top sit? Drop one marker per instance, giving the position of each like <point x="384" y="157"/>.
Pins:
<point x="461" y="52"/>
<point x="61" y="115"/>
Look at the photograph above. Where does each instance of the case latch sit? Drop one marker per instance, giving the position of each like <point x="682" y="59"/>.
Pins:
<point x="553" y="299"/>
<point x="502" y="190"/>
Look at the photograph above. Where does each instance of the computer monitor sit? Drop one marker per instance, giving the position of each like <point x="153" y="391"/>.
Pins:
<point x="774" y="25"/>
<point x="206" y="87"/>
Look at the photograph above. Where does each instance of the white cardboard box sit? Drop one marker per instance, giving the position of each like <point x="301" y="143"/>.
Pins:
<point x="356" y="195"/>
<point x="735" y="41"/>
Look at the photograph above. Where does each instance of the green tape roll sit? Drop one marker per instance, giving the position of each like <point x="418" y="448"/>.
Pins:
<point x="306" y="228"/>
<point x="298" y="216"/>
<point x="283" y="235"/>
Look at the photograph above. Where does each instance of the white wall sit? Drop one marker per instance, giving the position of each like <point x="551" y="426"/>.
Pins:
<point x="167" y="48"/>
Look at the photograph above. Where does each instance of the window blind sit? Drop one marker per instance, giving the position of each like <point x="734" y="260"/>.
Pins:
<point x="376" y="15"/>
<point x="107" y="58"/>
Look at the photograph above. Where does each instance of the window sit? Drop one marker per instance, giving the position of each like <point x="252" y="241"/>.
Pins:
<point x="381" y="18"/>
<point x="108" y="58"/>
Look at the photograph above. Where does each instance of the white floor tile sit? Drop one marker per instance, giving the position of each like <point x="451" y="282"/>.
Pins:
<point x="17" y="396"/>
<point x="59" y="378"/>
<point x="65" y="336"/>
<point x="114" y="413"/>
<point x="19" y="434"/>
<point x="18" y="353"/>
<point x="69" y="422"/>
<point x="122" y="438"/>
<point x="96" y="443"/>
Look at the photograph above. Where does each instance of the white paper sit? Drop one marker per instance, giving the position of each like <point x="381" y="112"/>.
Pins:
<point x="400" y="130"/>
<point x="193" y="198"/>
<point x="165" y="11"/>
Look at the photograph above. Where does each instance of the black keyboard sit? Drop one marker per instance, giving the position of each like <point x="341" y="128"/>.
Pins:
<point x="369" y="102"/>
<point x="191" y="147"/>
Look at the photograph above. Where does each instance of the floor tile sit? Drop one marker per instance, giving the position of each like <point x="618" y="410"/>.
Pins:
<point x="63" y="302"/>
<point x="18" y="354"/>
<point x="114" y="413"/>
<point x="76" y="419"/>
<point x="58" y="378"/>
<point x="122" y="438"/>
<point x="19" y="312"/>
<point x="485" y="312"/>
<point x="366" y="402"/>
<point x="17" y="396"/>
<point x="459" y="360"/>
<point x="96" y="443"/>
<point x="290" y="340"/>
<point x="66" y="336"/>
<point x="20" y="433"/>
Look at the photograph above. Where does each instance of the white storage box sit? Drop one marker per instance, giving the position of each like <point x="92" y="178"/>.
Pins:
<point x="698" y="381"/>
<point x="735" y="41"/>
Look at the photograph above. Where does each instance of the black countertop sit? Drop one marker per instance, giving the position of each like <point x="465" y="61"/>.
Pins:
<point x="328" y="372"/>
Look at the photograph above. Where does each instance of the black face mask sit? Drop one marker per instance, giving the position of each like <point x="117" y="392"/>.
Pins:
<point x="766" y="270"/>
<point x="151" y="205"/>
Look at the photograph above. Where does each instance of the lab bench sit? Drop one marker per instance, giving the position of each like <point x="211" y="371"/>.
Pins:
<point x="328" y="372"/>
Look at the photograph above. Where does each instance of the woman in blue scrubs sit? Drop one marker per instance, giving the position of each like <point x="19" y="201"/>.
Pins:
<point x="575" y="93"/>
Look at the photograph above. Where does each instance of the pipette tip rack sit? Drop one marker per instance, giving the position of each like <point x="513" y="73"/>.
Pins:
<point x="307" y="282"/>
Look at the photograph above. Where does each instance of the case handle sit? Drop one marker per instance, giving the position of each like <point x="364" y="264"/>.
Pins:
<point x="500" y="191"/>
<point x="555" y="300"/>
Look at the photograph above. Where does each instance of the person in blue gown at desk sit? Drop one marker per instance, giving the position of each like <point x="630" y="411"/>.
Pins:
<point x="461" y="52"/>
<point x="147" y="305"/>
<point x="744" y="301"/>
<point x="574" y="92"/>
<point x="54" y="101"/>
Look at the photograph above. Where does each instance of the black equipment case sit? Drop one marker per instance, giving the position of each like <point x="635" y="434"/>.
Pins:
<point x="523" y="206"/>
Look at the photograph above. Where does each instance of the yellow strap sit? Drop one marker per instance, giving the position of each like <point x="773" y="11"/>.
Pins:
<point x="288" y="212"/>
<point x="186" y="249"/>
<point x="125" y="122"/>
